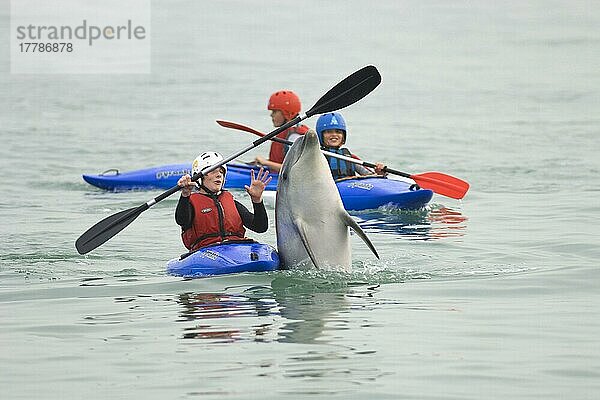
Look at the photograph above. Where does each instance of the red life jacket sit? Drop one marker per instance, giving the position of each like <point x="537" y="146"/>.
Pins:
<point x="215" y="220"/>
<point x="278" y="150"/>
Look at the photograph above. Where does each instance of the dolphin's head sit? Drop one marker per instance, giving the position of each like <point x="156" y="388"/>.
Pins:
<point x="305" y="156"/>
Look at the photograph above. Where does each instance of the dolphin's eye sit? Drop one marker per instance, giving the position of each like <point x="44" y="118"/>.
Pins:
<point x="284" y="176"/>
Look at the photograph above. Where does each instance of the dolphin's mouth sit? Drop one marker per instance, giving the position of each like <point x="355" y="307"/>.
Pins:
<point x="302" y="147"/>
<point x="306" y="141"/>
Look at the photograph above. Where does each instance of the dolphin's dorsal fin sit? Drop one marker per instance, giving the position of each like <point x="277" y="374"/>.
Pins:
<point x="304" y="237"/>
<point x="358" y="230"/>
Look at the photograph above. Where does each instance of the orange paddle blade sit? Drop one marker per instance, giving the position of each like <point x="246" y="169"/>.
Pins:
<point x="239" y="127"/>
<point x="443" y="184"/>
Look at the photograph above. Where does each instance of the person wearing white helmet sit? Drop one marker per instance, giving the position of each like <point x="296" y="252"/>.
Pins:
<point x="208" y="214"/>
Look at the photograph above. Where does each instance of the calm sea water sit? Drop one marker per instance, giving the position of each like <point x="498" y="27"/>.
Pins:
<point x="492" y="297"/>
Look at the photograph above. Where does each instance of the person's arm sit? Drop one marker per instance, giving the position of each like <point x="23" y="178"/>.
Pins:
<point x="184" y="213"/>
<point x="257" y="222"/>
<point x="361" y="170"/>
<point x="271" y="165"/>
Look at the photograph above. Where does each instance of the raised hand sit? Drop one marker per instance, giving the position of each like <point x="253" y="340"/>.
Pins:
<point x="258" y="184"/>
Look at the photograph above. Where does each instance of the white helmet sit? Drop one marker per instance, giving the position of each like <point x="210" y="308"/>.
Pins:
<point x="207" y="159"/>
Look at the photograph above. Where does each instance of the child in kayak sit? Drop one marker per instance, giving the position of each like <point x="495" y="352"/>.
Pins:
<point x="331" y="129"/>
<point x="208" y="214"/>
<point x="285" y="106"/>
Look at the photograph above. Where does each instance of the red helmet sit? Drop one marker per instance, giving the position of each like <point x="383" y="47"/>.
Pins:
<point x="286" y="101"/>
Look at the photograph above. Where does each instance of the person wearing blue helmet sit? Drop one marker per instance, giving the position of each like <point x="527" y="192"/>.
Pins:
<point x="331" y="129"/>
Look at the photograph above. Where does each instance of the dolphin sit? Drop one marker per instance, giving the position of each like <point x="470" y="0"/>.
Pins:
<point x="310" y="219"/>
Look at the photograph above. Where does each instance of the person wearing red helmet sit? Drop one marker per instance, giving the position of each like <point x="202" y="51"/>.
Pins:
<point x="284" y="106"/>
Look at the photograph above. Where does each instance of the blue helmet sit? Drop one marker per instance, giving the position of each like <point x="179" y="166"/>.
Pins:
<point x="330" y="121"/>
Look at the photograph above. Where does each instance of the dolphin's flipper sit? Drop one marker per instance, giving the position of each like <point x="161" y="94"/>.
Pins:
<point x="358" y="230"/>
<point x="304" y="237"/>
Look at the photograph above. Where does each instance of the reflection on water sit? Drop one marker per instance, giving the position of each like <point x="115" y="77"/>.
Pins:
<point x="434" y="222"/>
<point x="218" y="316"/>
<point x="294" y="309"/>
<point x="310" y="308"/>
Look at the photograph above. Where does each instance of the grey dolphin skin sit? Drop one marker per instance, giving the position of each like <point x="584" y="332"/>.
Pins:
<point x="311" y="222"/>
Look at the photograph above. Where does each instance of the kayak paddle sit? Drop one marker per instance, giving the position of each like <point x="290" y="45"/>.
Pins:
<point x="347" y="92"/>
<point x="440" y="183"/>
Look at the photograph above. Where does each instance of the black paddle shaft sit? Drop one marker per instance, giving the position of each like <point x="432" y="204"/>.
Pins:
<point x="356" y="161"/>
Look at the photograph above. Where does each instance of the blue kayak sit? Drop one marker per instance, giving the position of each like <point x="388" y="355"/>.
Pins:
<point x="372" y="192"/>
<point x="366" y="193"/>
<point x="166" y="176"/>
<point x="360" y="193"/>
<point x="230" y="258"/>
